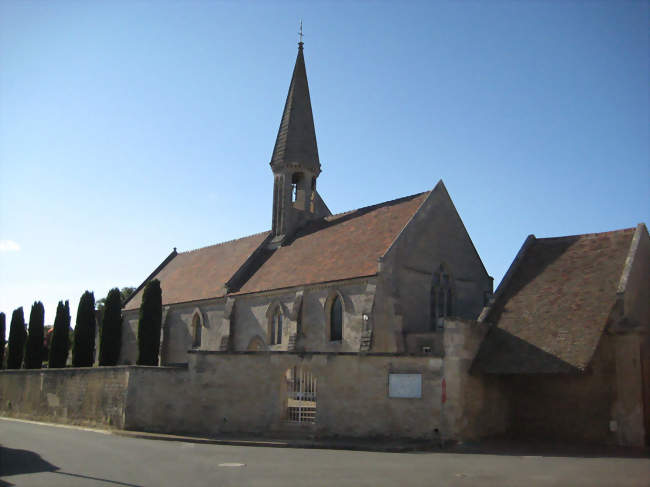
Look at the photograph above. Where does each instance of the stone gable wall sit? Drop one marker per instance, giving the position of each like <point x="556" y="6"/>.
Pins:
<point x="436" y="235"/>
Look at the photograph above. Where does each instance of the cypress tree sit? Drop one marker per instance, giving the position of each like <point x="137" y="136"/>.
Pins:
<point x="149" y="324"/>
<point x="34" y="348"/>
<point x="111" y="332"/>
<point x="3" y="326"/>
<point x="83" y="350"/>
<point x="17" y="336"/>
<point x="60" y="344"/>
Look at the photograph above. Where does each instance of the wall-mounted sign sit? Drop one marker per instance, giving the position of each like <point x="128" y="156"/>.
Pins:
<point x="405" y="385"/>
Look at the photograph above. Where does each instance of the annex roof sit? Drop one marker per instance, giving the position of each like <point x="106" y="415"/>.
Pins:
<point x="553" y="305"/>
<point x="201" y="273"/>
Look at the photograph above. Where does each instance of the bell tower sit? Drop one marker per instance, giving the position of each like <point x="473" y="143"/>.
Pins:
<point x="295" y="162"/>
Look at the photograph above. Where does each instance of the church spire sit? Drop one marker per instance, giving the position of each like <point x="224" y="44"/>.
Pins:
<point x="295" y="144"/>
<point x="295" y="162"/>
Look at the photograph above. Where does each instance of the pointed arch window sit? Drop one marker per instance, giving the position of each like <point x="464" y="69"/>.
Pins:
<point x="196" y="331"/>
<point x="336" y="319"/>
<point x="275" y="332"/>
<point x="442" y="296"/>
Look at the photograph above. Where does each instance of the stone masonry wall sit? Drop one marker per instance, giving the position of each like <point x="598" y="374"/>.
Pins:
<point x="92" y="396"/>
<point x="475" y="406"/>
<point x="246" y="393"/>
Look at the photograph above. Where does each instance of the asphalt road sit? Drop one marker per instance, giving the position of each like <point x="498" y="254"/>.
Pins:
<point x="44" y="455"/>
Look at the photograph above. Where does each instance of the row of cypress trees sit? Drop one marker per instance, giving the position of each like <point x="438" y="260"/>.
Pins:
<point x="26" y="346"/>
<point x="30" y="343"/>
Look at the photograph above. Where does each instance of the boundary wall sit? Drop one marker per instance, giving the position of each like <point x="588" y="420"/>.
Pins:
<point x="247" y="392"/>
<point x="94" y="396"/>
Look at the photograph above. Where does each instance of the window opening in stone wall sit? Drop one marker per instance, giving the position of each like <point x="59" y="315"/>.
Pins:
<point x="295" y="180"/>
<point x="299" y="321"/>
<point x="196" y="331"/>
<point x="442" y="296"/>
<point x="301" y="396"/>
<point x="276" y="328"/>
<point x="312" y="195"/>
<point x="336" y="320"/>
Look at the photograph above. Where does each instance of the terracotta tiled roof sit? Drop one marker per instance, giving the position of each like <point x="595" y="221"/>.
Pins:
<point x="554" y="307"/>
<point x="342" y="246"/>
<point x="202" y="273"/>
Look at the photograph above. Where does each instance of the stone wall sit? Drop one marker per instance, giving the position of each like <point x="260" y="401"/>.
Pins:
<point x="88" y="396"/>
<point x="246" y="392"/>
<point x="309" y="306"/>
<point x="251" y="316"/>
<point x="82" y="396"/>
<point x="476" y="406"/>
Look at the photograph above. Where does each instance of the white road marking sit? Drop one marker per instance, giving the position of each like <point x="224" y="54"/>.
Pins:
<point x="57" y="425"/>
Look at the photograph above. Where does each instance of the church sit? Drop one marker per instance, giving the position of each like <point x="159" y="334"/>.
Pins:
<point x="375" y="279"/>
<point x="382" y="322"/>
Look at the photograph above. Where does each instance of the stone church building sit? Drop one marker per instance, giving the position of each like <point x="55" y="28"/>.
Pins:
<point x="379" y="322"/>
<point x="375" y="279"/>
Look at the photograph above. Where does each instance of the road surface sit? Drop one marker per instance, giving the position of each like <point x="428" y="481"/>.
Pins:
<point x="44" y="455"/>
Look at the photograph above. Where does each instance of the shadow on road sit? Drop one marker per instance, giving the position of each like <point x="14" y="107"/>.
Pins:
<point x="19" y="462"/>
<point x="547" y="449"/>
<point x="15" y="462"/>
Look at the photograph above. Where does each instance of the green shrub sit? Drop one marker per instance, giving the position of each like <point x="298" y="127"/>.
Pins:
<point x="149" y="324"/>
<point x="34" y="347"/>
<point x="83" y="350"/>
<point x="111" y="331"/>
<point x="17" y="337"/>
<point x="60" y="337"/>
<point x="3" y="327"/>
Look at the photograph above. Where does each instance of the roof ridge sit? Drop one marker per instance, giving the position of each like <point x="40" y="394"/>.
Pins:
<point x="377" y="205"/>
<point x="223" y="243"/>
<point x="587" y="235"/>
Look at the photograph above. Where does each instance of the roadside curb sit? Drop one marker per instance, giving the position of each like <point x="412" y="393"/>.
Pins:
<point x="392" y="447"/>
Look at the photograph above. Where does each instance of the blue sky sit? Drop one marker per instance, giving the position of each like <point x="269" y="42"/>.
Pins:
<point x="130" y="128"/>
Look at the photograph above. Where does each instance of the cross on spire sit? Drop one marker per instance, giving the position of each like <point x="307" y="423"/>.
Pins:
<point x="300" y="34"/>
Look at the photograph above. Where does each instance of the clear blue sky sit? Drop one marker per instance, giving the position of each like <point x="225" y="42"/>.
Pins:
<point x="129" y="128"/>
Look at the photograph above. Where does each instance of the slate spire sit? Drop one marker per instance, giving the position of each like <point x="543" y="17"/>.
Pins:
<point x="296" y="141"/>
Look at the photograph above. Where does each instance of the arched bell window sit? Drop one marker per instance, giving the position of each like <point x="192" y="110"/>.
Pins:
<point x="296" y="181"/>
<point x="336" y="319"/>
<point x="442" y="296"/>
<point x="275" y="331"/>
